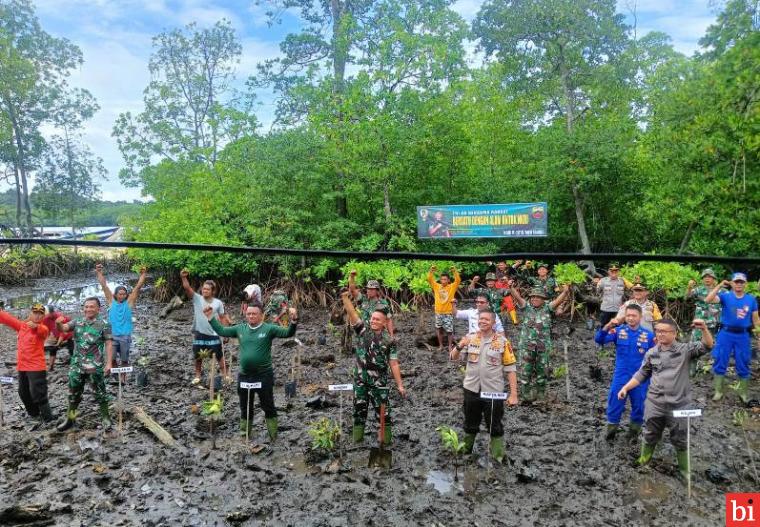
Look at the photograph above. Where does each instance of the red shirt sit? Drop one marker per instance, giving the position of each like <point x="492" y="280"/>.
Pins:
<point x="30" y="352"/>
<point x="49" y="321"/>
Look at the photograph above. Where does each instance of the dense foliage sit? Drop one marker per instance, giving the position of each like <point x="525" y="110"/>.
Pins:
<point x="634" y="146"/>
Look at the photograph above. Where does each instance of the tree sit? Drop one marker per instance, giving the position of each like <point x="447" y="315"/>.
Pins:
<point x="33" y="71"/>
<point x="191" y="111"/>
<point x="560" y="49"/>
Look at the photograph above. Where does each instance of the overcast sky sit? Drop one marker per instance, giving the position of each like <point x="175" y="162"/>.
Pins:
<point x="115" y="37"/>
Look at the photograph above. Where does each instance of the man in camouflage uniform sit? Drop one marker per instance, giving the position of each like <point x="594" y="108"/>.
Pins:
<point x="376" y="353"/>
<point x="709" y="312"/>
<point x="371" y="301"/>
<point x="535" y="341"/>
<point x="277" y="308"/>
<point x="543" y="280"/>
<point x="92" y="336"/>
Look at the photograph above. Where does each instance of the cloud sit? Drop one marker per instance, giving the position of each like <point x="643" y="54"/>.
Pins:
<point x="467" y="9"/>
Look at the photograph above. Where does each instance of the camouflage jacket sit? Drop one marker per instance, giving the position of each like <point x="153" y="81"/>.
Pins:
<point x="90" y="338"/>
<point x="373" y="352"/>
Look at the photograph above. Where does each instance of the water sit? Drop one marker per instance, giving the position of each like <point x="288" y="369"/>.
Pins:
<point x="443" y="481"/>
<point x="63" y="297"/>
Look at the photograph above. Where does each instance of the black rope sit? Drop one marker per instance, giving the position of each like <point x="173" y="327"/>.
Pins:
<point x="384" y="255"/>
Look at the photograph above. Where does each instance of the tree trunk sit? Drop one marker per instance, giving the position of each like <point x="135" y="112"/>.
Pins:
<point x="340" y="47"/>
<point x="687" y="237"/>
<point x="22" y="190"/>
<point x="387" y="202"/>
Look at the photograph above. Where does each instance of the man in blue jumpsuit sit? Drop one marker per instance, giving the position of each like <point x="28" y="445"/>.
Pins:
<point x="631" y="344"/>
<point x="738" y="314"/>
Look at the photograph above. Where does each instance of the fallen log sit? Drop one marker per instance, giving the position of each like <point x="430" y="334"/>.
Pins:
<point x="162" y="435"/>
<point x="173" y="304"/>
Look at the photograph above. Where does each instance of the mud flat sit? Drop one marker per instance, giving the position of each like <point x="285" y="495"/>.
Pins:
<point x="560" y="470"/>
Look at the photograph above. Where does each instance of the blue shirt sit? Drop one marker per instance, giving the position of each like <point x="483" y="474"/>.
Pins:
<point x="737" y="312"/>
<point x="630" y="347"/>
<point x="120" y="317"/>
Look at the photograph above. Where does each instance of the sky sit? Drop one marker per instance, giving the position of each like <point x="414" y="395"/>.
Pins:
<point x="115" y="38"/>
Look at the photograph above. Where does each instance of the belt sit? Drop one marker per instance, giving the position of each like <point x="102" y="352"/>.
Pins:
<point x="198" y="342"/>
<point x="736" y="329"/>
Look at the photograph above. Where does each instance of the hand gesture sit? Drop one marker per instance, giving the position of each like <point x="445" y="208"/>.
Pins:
<point x="353" y="273"/>
<point x="99" y="268"/>
<point x="725" y="283"/>
<point x="402" y="391"/>
<point x="433" y="269"/>
<point x="143" y="270"/>
<point x="184" y="273"/>
<point x="453" y="269"/>
<point x="344" y="294"/>
<point x="32" y="325"/>
<point x="622" y="393"/>
<point x="475" y="279"/>
<point x="692" y="283"/>
<point x="208" y="311"/>
<point x="698" y="323"/>
<point x="566" y="287"/>
<point x="512" y="400"/>
<point x="293" y="313"/>
<point x="518" y="262"/>
<point x="107" y="370"/>
<point x="60" y="320"/>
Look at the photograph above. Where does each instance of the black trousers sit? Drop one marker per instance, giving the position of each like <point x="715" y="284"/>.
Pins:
<point x="606" y="316"/>
<point x="266" y="392"/>
<point x="33" y="390"/>
<point x="477" y="409"/>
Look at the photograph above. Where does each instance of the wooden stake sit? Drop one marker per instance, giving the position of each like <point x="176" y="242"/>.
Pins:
<point x="161" y="434"/>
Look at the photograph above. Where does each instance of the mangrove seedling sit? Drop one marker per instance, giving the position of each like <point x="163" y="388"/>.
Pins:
<point x="560" y="371"/>
<point x="324" y="435"/>
<point x="452" y="445"/>
<point x="741" y="417"/>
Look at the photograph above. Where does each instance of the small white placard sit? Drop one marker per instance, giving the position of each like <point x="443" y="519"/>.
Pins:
<point x="340" y="387"/>
<point x="250" y="385"/>
<point x="125" y="369"/>
<point x="493" y="395"/>
<point x="6" y="380"/>
<point x="697" y="412"/>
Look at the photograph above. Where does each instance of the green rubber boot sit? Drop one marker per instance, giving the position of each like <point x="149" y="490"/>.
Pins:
<point x="633" y="431"/>
<point x="743" y="390"/>
<point x="683" y="463"/>
<point x="646" y="454"/>
<point x="272" y="428"/>
<point x="358" y="433"/>
<point x="388" y="435"/>
<point x="469" y="442"/>
<point x="718" y="382"/>
<point x="105" y="417"/>
<point x="245" y="428"/>
<point x="497" y="448"/>
<point x="68" y="422"/>
<point x="612" y="431"/>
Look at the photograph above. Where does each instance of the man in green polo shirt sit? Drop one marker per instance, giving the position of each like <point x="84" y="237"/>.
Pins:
<point x="255" y="337"/>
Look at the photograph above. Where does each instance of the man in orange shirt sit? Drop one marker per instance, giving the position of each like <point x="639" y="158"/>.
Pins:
<point x="30" y="360"/>
<point x="444" y="292"/>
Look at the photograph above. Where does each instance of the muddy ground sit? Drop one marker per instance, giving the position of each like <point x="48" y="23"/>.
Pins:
<point x="560" y="470"/>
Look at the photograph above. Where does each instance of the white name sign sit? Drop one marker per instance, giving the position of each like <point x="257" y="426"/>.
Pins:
<point x="340" y="387"/>
<point x="697" y="412"/>
<point x="493" y="395"/>
<point x="250" y="385"/>
<point x="125" y="369"/>
<point x="6" y="380"/>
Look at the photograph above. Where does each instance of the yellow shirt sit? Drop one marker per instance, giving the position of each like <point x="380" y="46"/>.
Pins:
<point x="444" y="295"/>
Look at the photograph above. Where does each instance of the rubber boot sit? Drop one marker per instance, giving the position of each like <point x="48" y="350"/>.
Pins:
<point x="245" y="428"/>
<point x="683" y="463"/>
<point x="71" y="416"/>
<point x="497" y="448"/>
<point x="45" y="413"/>
<point x="646" y="454"/>
<point x="743" y="390"/>
<point x="105" y="417"/>
<point x="612" y="431"/>
<point x="388" y="435"/>
<point x="272" y="428"/>
<point x="358" y="433"/>
<point x="718" y="382"/>
<point x="469" y="442"/>
<point x="633" y="431"/>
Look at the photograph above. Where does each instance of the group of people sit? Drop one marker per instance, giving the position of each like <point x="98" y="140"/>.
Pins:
<point x="651" y="367"/>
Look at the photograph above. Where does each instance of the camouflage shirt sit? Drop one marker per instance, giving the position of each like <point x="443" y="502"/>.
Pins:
<point x="494" y="296"/>
<point x="373" y="355"/>
<point x="367" y="305"/>
<point x="549" y="285"/>
<point x="90" y="338"/>
<point x="710" y="313"/>
<point x="536" y="325"/>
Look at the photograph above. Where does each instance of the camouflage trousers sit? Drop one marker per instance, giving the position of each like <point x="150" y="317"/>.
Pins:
<point x="364" y="393"/>
<point x="77" y="380"/>
<point x="534" y="361"/>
